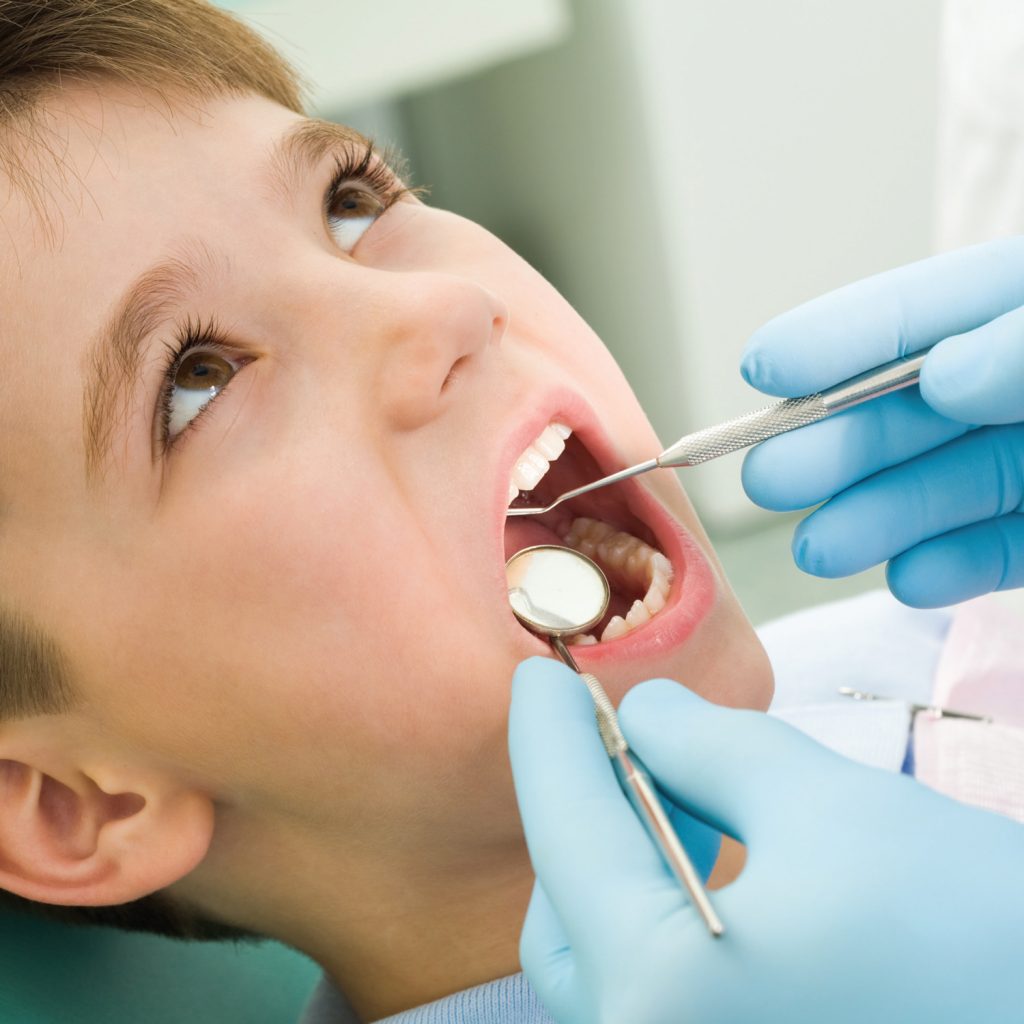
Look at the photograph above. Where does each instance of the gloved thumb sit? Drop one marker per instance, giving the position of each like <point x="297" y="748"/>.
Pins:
<point x="978" y="377"/>
<point x="743" y="772"/>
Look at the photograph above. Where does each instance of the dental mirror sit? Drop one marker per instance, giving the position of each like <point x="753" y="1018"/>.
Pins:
<point x="556" y="591"/>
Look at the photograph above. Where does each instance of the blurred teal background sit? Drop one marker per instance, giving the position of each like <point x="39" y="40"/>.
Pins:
<point x="55" y="974"/>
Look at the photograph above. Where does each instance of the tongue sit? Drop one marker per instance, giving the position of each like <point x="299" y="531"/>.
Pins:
<point x="522" y="532"/>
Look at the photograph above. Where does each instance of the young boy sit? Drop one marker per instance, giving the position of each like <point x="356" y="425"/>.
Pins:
<point x="261" y="414"/>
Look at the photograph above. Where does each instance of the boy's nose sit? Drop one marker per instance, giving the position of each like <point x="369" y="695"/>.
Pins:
<point x="436" y="331"/>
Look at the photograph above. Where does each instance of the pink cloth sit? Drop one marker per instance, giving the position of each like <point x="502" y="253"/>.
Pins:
<point x="981" y="670"/>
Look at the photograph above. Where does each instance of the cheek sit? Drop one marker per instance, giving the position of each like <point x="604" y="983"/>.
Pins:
<point x="280" y="642"/>
<point x="549" y="328"/>
<point x="724" y="661"/>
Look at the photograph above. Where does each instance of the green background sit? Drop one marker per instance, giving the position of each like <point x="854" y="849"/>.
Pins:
<point x="56" y="974"/>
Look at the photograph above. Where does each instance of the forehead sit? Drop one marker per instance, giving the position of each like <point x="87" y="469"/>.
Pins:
<point x="108" y="162"/>
<point x="122" y="178"/>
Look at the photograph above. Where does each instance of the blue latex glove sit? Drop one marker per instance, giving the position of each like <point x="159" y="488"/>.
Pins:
<point x="865" y="897"/>
<point x="909" y="479"/>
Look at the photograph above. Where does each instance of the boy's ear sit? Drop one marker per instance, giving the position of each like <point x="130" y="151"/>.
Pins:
<point x="80" y="831"/>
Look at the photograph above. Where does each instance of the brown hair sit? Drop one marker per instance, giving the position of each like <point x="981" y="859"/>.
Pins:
<point x="184" y="46"/>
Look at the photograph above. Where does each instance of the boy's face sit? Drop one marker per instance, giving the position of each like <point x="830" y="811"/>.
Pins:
<point x="308" y="586"/>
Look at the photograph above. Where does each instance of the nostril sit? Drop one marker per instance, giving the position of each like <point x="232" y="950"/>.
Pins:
<point x="453" y="373"/>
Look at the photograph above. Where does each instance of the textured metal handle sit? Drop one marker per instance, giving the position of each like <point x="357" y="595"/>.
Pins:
<point x="607" y="720"/>
<point x="758" y="426"/>
<point x="744" y="431"/>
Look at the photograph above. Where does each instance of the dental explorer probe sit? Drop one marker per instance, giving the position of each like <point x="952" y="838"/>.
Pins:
<point x="754" y="427"/>
<point x="558" y="592"/>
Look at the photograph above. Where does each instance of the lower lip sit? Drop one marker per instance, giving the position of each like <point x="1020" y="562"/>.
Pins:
<point x="689" y="601"/>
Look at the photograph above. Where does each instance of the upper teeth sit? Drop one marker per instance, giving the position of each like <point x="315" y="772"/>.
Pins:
<point x="536" y="460"/>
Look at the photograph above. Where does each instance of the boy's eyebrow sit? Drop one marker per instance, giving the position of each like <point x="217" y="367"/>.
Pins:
<point x="113" y="360"/>
<point x="303" y="146"/>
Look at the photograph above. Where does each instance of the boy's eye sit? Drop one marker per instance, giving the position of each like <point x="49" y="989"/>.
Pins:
<point x="351" y="212"/>
<point x="197" y="380"/>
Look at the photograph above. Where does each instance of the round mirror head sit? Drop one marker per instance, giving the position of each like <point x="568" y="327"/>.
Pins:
<point x="556" y="591"/>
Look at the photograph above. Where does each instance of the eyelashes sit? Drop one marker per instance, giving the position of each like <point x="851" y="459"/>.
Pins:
<point x="381" y="175"/>
<point x="363" y="184"/>
<point x="197" y="337"/>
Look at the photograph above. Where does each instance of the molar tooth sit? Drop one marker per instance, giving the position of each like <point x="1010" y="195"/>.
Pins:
<point x="654" y="600"/>
<point x="616" y="627"/>
<point x="616" y="548"/>
<point x="593" y="527"/>
<point x="659" y="561"/>
<point x="637" y="615"/>
<point x="638" y="559"/>
<point x="573" y="540"/>
<point x="582" y="640"/>
<point x="562" y="430"/>
<point x="581" y="526"/>
<point x="550" y="444"/>
<point x="660" y="581"/>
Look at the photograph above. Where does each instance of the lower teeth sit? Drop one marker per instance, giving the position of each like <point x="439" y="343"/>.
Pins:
<point x="630" y="564"/>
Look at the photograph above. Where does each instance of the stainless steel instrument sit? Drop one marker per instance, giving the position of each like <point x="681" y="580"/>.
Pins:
<point x="744" y="431"/>
<point x="558" y="592"/>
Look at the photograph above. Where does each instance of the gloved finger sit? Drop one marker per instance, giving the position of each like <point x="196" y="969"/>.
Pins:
<point x="810" y="465"/>
<point x="976" y="477"/>
<point x="857" y="327"/>
<point x="978" y="377"/>
<point x="588" y="847"/>
<point x="547" y="958"/>
<point x="701" y="841"/>
<point x="962" y="564"/>
<point x="749" y="775"/>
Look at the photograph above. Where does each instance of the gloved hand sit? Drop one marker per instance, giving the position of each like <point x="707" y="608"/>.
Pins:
<point x="908" y="478"/>
<point x="865" y="896"/>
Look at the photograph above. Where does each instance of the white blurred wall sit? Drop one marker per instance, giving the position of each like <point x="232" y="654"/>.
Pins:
<point x="685" y="170"/>
<point x="981" y="122"/>
<point x="362" y="53"/>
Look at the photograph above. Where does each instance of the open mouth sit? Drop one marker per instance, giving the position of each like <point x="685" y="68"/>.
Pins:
<point x="601" y="525"/>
